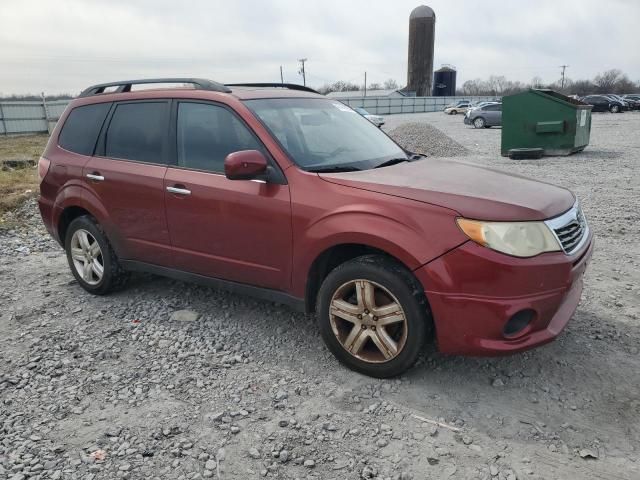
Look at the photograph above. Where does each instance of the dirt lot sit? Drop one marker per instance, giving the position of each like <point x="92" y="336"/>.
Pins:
<point x="17" y="184"/>
<point x="169" y="380"/>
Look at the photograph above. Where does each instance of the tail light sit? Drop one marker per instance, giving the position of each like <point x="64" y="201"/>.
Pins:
<point x="43" y="168"/>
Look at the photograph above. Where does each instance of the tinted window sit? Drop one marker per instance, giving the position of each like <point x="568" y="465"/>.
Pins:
<point x="81" y="129"/>
<point x="207" y="134"/>
<point x="137" y="132"/>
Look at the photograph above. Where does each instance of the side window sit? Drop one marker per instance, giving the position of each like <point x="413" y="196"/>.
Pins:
<point x="80" y="131"/>
<point x="137" y="132"/>
<point x="207" y="133"/>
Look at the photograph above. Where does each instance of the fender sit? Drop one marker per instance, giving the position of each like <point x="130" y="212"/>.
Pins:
<point x="75" y="194"/>
<point x="395" y="233"/>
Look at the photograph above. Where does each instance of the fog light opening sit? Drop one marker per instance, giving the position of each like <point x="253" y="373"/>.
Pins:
<point x="518" y="323"/>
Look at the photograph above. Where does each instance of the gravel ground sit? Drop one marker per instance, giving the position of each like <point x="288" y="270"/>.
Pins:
<point x="173" y="381"/>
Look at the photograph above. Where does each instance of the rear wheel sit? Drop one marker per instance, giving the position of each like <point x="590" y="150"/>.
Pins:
<point x="479" y="122"/>
<point x="454" y="112"/>
<point x="614" y="109"/>
<point x="373" y="316"/>
<point x="91" y="258"/>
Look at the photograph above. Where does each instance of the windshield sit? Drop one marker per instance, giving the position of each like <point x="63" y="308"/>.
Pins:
<point x="321" y="134"/>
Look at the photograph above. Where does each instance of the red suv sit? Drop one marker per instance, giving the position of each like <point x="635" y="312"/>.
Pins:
<point x="279" y="192"/>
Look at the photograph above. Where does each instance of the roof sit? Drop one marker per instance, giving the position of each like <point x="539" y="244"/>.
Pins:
<point x="422" y="12"/>
<point x="370" y="93"/>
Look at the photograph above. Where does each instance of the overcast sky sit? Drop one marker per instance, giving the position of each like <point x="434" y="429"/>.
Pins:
<point x="64" y="45"/>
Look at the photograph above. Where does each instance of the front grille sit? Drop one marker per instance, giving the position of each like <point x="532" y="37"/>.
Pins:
<point x="570" y="229"/>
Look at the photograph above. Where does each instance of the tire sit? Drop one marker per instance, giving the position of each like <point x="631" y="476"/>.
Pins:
<point x="614" y="109"/>
<point x="454" y="112"/>
<point x="80" y="240"/>
<point x="373" y="348"/>
<point x="479" y="122"/>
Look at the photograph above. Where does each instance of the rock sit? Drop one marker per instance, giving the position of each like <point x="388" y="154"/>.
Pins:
<point x="309" y="463"/>
<point x="493" y="470"/>
<point x="284" y="456"/>
<point x="184" y="316"/>
<point x="254" y="453"/>
<point x="467" y="440"/>
<point x="382" y="442"/>
<point x="498" y="383"/>
<point x="587" y="453"/>
<point x="210" y="465"/>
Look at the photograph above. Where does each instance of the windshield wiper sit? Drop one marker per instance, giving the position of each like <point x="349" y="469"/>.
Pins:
<point x="334" y="169"/>
<point x="393" y="161"/>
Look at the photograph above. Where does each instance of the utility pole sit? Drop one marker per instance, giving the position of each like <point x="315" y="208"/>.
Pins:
<point x="564" y="67"/>
<point x="301" y="71"/>
<point x="365" y="84"/>
<point x="281" y="76"/>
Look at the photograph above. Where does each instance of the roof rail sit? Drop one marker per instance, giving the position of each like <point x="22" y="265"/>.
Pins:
<point x="125" y="85"/>
<point x="290" y="86"/>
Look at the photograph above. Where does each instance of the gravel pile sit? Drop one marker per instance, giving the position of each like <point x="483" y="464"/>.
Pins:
<point x="167" y="380"/>
<point x="427" y="140"/>
<point x="22" y="231"/>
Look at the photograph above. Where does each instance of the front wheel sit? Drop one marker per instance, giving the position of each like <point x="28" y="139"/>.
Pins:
<point x="91" y="258"/>
<point x="479" y="122"/>
<point x="614" y="109"/>
<point x="454" y="112"/>
<point x="373" y="316"/>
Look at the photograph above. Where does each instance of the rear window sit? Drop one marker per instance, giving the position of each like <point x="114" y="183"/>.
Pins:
<point x="80" y="131"/>
<point x="137" y="131"/>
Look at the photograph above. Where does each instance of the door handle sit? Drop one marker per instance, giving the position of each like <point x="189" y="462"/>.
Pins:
<point x="95" y="177"/>
<point x="179" y="191"/>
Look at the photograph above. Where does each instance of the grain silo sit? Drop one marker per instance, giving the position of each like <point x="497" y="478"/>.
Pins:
<point x="422" y="28"/>
<point x="444" y="82"/>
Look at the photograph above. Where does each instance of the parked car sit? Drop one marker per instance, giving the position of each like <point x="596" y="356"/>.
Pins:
<point x="460" y="107"/>
<point x="277" y="191"/>
<point x="602" y="103"/>
<point x="633" y="100"/>
<point x="377" y="120"/>
<point x="626" y="106"/>
<point x="486" y="116"/>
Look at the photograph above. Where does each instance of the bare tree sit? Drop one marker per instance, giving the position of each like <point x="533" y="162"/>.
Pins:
<point x="390" y="84"/>
<point x="606" y="81"/>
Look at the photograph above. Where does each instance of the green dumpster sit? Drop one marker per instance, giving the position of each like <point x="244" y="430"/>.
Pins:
<point x="543" y="122"/>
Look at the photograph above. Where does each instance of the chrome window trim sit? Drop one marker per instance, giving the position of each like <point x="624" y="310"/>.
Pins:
<point x="573" y="214"/>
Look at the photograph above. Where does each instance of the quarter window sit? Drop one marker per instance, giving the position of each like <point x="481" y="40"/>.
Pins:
<point x="80" y="131"/>
<point x="137" y="132"/>
<point x="207" y="133"/>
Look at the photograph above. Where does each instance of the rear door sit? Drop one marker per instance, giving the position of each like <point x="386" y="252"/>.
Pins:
<point x="237" y="230"/>
<point x="127" y="175"/>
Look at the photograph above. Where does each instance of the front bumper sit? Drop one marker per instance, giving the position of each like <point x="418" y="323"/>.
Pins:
<point x="467" y="120"/>
<point x="473" y="291"/>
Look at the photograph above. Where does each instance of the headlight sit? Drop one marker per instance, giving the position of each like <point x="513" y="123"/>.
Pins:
<point x="520" y="239"/>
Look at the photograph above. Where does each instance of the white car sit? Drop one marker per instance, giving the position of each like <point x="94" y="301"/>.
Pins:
<point x="377" y="120"/>
<point x="460" y="107"/>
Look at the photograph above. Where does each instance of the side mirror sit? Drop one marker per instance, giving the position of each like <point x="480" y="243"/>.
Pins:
<point x="245" y="165"/>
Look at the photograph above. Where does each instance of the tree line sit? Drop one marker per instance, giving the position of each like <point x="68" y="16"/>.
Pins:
<point x="611" y="81"/>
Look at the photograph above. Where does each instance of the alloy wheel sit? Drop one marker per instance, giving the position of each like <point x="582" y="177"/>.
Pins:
<point x="368" y="321"/>
<point x="478" y="122"/>
<point x="87" y="257"/>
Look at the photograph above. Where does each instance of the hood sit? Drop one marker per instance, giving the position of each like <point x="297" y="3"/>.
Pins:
<point x="473" y="191"/>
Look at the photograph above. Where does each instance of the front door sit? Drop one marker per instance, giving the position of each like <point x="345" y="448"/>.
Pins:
<point x="127" y="176"/>
<point x="238" y="230"/>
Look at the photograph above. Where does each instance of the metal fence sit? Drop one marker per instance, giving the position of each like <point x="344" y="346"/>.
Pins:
<point x="38" y="116"/>
<point x="41" y="116"/>
<point x="391" y="105"/>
